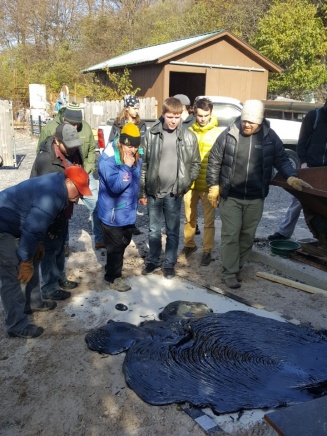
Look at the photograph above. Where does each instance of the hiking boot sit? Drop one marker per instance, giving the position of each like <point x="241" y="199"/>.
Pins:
<point x="119" y="285"/>
<point x="28" y="332"/>
<point x="57" y="295"/>
<point x="187" y="251"/>
<point x="46" y="305"/>
<point x="68" y="284"/>
<point x="169" y="273"/>
<point x="99" y="245"/>
<point x="232" y="282"/>
<point x="239" y="276"/>
<point x="205" y="259"/>
<point x="150" y="268"/>
<point x="277" y="236"/>
<point x="197" y="230"/>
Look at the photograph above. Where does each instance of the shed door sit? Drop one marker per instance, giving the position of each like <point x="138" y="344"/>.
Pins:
<point x="190" y="84"/>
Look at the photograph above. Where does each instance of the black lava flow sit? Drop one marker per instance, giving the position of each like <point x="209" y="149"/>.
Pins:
<point x="229" y="362"/>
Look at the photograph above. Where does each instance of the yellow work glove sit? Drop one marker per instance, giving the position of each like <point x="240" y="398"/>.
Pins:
<point x="26" y="271"/>
<point x="40" y="252"/>
<point x="298" y="184"/>
<point x="213" y="195"/>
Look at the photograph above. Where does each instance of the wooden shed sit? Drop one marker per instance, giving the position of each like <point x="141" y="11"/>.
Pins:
<point x="215" y="63"/>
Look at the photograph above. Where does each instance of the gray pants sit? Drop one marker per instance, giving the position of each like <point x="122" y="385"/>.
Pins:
<point x="14" y="296"/>
<point x="239" y="221"/>
<point x="287" y="225"/>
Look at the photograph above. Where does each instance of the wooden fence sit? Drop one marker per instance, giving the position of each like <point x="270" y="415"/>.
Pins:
<point x="101" y="112"/>
<point x="7" y="134"/>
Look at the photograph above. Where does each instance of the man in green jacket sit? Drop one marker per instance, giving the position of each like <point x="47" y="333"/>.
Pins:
<point x="72" y="114"/>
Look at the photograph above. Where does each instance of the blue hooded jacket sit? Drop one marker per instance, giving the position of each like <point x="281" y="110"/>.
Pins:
<point x="118" y="189"/>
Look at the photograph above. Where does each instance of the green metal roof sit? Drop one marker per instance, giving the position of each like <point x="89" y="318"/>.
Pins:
<point x="150" y="54"/>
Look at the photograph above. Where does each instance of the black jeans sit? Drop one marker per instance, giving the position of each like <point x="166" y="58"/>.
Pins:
<point x="116" y="239"/>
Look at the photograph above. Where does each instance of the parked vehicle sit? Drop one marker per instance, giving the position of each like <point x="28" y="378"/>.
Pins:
<point x="291" y="110"/>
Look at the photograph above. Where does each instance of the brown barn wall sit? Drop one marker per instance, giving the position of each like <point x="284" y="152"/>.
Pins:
<point x="220" y="53"/>
<point x="154" y="80"/>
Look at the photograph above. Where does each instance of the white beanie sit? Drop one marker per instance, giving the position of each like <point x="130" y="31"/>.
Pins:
<point x="253" y="111"/>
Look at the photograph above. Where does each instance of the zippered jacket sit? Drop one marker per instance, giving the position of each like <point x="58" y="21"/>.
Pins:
<point x="221" y="162"/>
<point x="206" y="137"/>
<point x="85" y="135"/>
<point x="188" y="160"/>
<point x="118" y="190"/>
<point x="312" y="145"/>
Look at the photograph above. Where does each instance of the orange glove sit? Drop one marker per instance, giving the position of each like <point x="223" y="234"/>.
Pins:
<point x="213" y="195"/>
<point x="298" y="184"/>
<point x="40" y="252"/>
<point x="26" y="271"/>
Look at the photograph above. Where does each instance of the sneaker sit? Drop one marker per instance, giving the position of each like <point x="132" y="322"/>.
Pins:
<point x="232" y="282"/>
<point x="66" y="250"/>
<point x="68" y="284"/>
<point x="187" y="251"/>
<point x="46" y="305"/>
<point x="99" y="245"/>
<point x="205" y="259"/>
<point x="169" y="273"/>
<point x="197" y="230"/>
<point x="277" y="236"/>
<point x="150" y="268"/>
<point x="28" y="332"/>
<point x="119" y="285"/>
<point x="57" y="295"/>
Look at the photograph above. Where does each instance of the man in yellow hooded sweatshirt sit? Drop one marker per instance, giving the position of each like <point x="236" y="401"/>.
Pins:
<point x="206" y="130"/>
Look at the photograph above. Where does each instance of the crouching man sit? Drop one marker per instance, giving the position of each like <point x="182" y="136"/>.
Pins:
<point x="26" y="212"/>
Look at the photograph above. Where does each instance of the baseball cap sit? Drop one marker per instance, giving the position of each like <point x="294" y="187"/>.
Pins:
<point x="183" y="99"/>
<point x="67" y="134"/>
<point x="80" y="178"/>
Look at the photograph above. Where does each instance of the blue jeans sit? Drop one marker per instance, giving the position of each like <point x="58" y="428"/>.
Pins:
<point x="12" y="294"/>
<point x="169" y="208"/>
<point x="53" y="263"/>
<point x="287" y="225"/>
<point x="92" y="204"/>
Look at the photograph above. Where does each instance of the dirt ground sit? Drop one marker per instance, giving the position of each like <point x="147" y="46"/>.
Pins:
<point x="54" y="385"/>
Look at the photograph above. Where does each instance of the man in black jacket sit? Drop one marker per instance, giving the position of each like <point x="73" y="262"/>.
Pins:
<point x="312" y="151"/>
<point x="170" y="163"/>
<point x="239" y="171"/>
<point x="57" y="153"/>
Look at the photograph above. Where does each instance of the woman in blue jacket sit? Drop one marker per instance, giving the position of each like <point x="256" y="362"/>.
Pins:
<point x="119" y="180"/>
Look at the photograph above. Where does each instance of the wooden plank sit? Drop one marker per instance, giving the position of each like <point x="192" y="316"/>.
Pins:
<point x="291" y="283"/>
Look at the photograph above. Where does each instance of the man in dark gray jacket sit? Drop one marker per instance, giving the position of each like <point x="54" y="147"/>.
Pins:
<point x="171" y="162"/>
<point x="239" y="170"/>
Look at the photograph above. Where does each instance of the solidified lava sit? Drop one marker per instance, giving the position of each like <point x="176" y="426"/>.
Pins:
<point x="229" y="362"/>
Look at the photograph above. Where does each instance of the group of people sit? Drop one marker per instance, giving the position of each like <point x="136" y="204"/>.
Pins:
<point x="183" y="156"/>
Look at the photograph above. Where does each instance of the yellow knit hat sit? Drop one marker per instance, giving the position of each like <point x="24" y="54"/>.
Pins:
<point x="130" y="135"/>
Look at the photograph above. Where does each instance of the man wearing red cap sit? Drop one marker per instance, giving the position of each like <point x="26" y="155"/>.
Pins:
<point x="27" y="211"/>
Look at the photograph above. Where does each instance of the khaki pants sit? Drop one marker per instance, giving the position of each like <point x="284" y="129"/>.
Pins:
<point x="239" y="222"/>
<point x="191" y="199"/>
